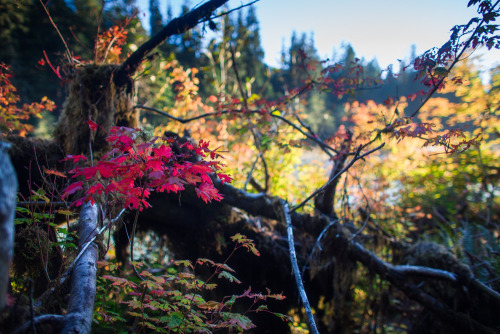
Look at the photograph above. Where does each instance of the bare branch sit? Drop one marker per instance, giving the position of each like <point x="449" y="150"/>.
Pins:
<point x="317" y="244"/>
<point x="256" y="135"/>
<point x="325" y="200"/>
<point x="68" y="52"/>
<point x="356" y="158"/>
<point x="54" y="319"/>
<point x="234" y="9"/>
<point x="325" y="147"/>
<point x="80" y="309"/>
<point x="296" y="271"/>
<point x="87" y="244"/>
<point x="424" y="271"/>
<point x="398" y="276"/>
<point x="249" y="176"/>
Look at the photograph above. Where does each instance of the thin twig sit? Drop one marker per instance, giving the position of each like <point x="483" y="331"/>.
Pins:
<point x="256" y="135"/>
<point x="455" y="61"/>
<point x="70" y="59"/>
<point x="52" y="318"/>
<point x="249" y="177"/>
<point x="28" y="203"/>
<point x="317" y="244"/>
<point x="132" y="241"/>
<point x="84" y="248"/>
<point x="354" y="159"/>
<point x="298" y="279"/>
<point x="325" y="147"/>
<point x="32" y="312"/>
<point x="230" y="11"/>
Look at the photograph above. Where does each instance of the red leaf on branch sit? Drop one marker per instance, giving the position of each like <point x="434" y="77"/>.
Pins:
<point x="207" y="192"/>
<point x="224" y="178"/>
<point x="163" y="152"/>
<point x="72" y="188"/>
<point x="75" y="158"/>
<point x="92" y="125"/>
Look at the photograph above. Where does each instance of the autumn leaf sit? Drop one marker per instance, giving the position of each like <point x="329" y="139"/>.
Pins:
<point x="92" y="125"/>
<point x="54" y="172"/>
<point x="207" y="192"/>
<point x="72" y="188"/>
<point x="229" y="277"/>
<point x="74" y="158"/>
<point x="239" y="321"/>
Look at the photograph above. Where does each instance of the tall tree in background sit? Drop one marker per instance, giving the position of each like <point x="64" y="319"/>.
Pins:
<point x="155" y="18"/>
<point x="253" y="71"/>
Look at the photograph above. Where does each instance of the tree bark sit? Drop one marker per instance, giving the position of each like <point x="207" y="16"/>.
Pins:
<point x="8" y="191"/>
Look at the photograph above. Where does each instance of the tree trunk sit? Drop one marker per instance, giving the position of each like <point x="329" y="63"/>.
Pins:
<point x="8" y="191"/>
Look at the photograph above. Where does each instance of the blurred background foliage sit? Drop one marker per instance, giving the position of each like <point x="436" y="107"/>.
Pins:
<point x="410" y="192"/>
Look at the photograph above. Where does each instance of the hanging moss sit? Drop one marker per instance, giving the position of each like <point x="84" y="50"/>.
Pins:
<point x="93" y="95"/>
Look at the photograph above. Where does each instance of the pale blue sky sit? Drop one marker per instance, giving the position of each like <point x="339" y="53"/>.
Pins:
<point x="384" y="29"/>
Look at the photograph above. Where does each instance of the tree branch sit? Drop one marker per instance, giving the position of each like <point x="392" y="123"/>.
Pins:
<point x="54" y="319"/>
<point x="325" y="147"/>
<point x="80" y="310"/>
<point x="331" y="180"/>
<point x="324" y="202"/>
<point x="175" y="27"/>
<point x="397" y="275"/>
<point x="62" y="280"/>
<point x="296" y="271"/>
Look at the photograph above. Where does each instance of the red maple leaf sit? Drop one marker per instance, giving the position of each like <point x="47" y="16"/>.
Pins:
<point x="207" y="192"/>
<point x="75" y="158"/>
<point x="92" y="125"/>
<point x="224" y="178"/>
<point x="72" y="188"/>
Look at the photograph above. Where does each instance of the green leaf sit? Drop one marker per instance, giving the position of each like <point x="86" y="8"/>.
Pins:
<point x="19" y="221"/>
<point x="185" y="263"/>
<point x="261" y="308"/>
<point x="148" y="325"/>
<point x="228" y="276"/>
<point x="176" y="319"/>
<point x="239" y="321"/>
<point x="231" y="301"/>
<point x="135" y="314"/>
<point x="283" y="317"/>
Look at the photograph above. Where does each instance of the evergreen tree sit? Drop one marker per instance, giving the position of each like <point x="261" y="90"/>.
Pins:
<point x="189" y="46"/>
<point x="36" y="34"/>
<point x="155" y="18"/>
<point x="293" y="68"/>
<point x="251" y="65"/>
<point x="28" y="32"/>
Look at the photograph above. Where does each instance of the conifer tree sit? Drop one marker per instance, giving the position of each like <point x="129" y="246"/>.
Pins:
<point x="251" y="65"/>
<point x="155" y="18"/>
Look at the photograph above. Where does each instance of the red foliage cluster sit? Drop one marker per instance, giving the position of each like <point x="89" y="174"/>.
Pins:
<point x="135" y="167"/>
<point x="446" y="140"/>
